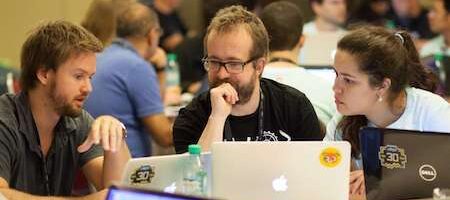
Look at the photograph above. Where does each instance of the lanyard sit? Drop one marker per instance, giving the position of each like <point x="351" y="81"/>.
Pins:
<point x="280" y="59"/>
<point x="228" y="135"/>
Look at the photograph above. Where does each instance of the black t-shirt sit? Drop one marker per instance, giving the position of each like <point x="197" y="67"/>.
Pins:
<point x="288" y="116"/>
<point x="171" y="24"/>
<point x="22" y="163"/>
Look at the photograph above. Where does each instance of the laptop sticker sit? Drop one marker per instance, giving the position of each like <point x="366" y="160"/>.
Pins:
<point x="392" y="157"/>
<point x="142" y="175"/>
<point x="330" y="157"/>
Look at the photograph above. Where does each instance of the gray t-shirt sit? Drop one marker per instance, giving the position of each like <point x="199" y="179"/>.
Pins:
<point x="22" y="163"/>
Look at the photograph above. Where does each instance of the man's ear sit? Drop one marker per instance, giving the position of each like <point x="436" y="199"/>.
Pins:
<point x="259" y="65"/>
<point x="43" y="75"/>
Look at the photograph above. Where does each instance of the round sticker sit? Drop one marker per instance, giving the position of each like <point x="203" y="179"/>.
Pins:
<point x="330" y="157"/>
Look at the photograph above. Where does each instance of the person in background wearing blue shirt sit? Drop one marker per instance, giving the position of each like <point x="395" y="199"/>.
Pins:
<point x="381" y="83"/>
<point x="126" y="85"/>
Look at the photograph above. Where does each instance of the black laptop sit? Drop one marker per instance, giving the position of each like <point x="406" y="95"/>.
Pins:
<point x="125" y="193"/>
<point x="403" y="164"/>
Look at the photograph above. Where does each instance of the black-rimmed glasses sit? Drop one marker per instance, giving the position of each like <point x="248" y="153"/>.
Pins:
<point x="232" y="67"/>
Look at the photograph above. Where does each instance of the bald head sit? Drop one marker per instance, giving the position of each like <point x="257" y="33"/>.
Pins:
<point x="136" y="20"/>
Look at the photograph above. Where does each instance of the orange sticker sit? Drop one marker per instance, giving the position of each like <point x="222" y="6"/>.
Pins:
<point x="330" y="157"/>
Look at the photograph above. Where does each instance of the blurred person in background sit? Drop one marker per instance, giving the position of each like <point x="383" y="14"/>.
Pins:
<point x="411" y="16"/>
<point x="286" y="40"/>
<point x="173" y="27"/>
<point x="331" y="16"/>
<point x="372" y="12"/>
<point x="126" y="85"/>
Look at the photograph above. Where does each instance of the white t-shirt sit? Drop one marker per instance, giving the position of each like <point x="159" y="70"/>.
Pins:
<point x="310" y="28"/>
<point x="434" y="46"/>
<point x="318" y="90"/>
<point x="424" y="111"/>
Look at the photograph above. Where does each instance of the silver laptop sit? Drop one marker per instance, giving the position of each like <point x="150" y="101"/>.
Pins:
<point x="162" y="173"/>
<point x="319" y="49"/>
<point x="281" y="170"/>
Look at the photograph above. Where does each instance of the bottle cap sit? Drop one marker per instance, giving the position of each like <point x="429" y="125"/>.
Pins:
<point x="438" y="56"/>
<point x="172" y="56"/>
<point x="195" y="149"/>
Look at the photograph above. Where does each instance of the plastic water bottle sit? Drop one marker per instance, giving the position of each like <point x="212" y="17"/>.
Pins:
<point x="194" y="174"/>
<point x="172" y="71"/>
<point x="439" y="64"/>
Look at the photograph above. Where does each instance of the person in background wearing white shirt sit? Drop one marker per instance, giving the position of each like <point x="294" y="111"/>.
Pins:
<point x="381" y="83"/>
<point x="285" y="43"/>
<point x="330" y="16"/>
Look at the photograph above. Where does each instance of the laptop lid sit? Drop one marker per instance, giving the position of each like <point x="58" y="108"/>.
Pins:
<point x="281" y="170"/>
<point x="327" y="73"/>
<point x="162" y="173"/>
<point x="121" y="193"/>
<point x="403" y="164"/>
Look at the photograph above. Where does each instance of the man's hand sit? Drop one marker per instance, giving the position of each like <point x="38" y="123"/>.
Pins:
<point x="357" y="186"/>
<point x="223" y="98"/>
<point x="107" y="130"/>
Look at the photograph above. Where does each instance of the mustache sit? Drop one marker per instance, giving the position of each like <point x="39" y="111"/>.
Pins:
<point x="218" y="82"/>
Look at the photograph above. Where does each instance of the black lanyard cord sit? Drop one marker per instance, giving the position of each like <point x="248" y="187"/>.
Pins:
<point x="228" y="135"/>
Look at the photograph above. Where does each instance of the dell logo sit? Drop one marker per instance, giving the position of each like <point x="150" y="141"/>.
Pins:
<point x="427" y="173"/>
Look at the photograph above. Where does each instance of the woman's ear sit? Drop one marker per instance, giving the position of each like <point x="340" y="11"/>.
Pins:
<point x="384" y="87"/>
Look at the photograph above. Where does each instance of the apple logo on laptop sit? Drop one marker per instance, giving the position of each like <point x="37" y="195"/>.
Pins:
<point x="171" y="188"/>
<point x="280" y="184"/>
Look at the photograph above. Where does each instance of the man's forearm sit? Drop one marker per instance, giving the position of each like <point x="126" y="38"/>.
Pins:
<point x="213" y="132"/>
<point x="114" y="165"/>
<point x="12" y="194"/>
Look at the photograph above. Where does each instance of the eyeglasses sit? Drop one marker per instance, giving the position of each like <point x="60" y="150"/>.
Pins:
<point x="232" y="67"/>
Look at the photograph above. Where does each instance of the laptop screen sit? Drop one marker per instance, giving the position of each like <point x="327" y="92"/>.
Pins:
<point x="326" y="73"/>
<point x="120" y="193"/>
<point x="403" y="164"/>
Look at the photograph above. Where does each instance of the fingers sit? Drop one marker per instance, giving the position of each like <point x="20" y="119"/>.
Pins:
<point x="93" y="138"/>
<point x="227" y="92"/>
<point x="107" y="131"/>
<point x="356" y="182"/>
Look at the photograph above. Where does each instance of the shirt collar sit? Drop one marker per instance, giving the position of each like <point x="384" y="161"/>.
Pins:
<point x="27" y="125"/>
<point x="125" y="44"/>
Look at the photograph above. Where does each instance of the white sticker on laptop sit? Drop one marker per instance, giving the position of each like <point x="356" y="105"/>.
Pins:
<point x="330" y="157"/>
<point x="142" y="175"/>
<point x="392" y="157"/>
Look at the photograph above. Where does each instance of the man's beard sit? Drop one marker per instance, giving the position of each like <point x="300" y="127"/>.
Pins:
<point x="244" y="92"/>
<point x="62" y="107"/>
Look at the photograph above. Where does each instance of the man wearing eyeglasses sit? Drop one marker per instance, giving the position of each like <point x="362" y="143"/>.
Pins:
<point x="241" y="106"/>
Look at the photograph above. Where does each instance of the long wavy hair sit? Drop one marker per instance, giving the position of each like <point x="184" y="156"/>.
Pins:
<point x="383" y="54"/>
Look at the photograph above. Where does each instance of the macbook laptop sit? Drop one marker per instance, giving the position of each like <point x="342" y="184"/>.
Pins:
<point x="162" y="173"/>
<point x="122" y="193"/>
<point x="281" y="170"/>
<point x="402" y="164"/>
<point x="319" y="49"/>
